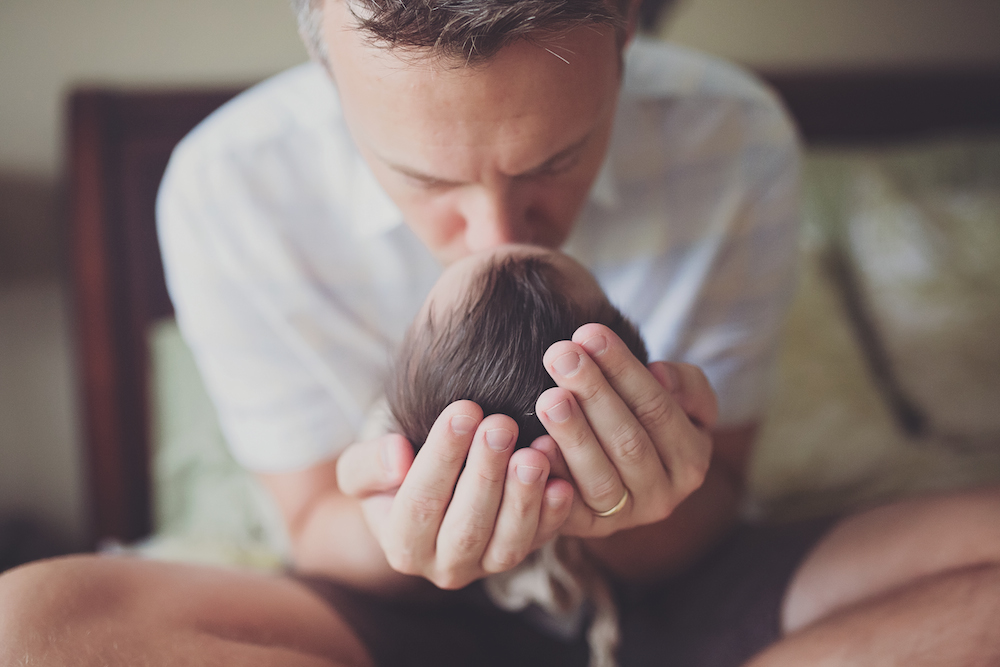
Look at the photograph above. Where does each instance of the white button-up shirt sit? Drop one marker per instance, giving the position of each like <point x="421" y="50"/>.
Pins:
<point x="294" y="276"/>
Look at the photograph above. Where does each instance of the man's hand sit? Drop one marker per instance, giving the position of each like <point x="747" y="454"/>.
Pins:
<point x="620" y="428"/>
<point x="449" y="524"/>
<point x="618" y="425"/>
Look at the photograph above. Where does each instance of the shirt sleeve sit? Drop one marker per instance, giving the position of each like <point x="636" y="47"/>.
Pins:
<point x="699" y="244"/>
<point x="290" y="372"/>
<point x="734" y="329"/>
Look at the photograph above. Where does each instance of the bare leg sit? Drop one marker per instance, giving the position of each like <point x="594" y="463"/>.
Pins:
<point x="88" y="610"/>
<point x="913" y="583"/>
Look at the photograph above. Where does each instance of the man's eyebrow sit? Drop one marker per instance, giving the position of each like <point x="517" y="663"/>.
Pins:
<point x="553" y="161"/>
<point x="420" y="176"/>
<point x="549" y="164"/>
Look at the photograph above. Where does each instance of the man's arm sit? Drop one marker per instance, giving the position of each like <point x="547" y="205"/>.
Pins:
<point x="658" y="550"/>
<point x="327" y="530"/>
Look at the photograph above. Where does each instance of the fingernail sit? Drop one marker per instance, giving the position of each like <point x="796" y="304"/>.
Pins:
<point x="567" y="365"/>
<point x="499" y="439"/>
<point x="528" y="474"/>
<point x="559" y="412"/>
<point x="462" y="424"/>
<point x="596" y="346"/>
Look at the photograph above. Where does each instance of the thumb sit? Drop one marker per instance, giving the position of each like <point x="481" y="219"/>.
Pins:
<point x="690" y="388"/>
<point x="374" y="466"/>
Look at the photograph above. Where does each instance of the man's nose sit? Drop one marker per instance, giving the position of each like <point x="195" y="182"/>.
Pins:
<point x="493" y="217"/>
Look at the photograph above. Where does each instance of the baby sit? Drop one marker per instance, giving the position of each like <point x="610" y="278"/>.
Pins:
<point x="480" y="336"/>
<point x="482" y="333"/>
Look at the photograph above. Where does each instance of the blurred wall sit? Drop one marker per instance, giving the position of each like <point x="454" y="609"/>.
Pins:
<point x="804" y="34"/>
<point x="48" y="46"/>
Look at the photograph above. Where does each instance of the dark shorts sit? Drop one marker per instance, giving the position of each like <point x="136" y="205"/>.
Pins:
<point x="718" y="614"/>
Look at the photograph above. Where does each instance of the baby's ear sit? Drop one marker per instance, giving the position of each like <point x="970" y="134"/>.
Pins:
<point x="378" y="421"/>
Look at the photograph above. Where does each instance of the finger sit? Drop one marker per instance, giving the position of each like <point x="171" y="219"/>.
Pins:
<point x="557" y="465"/>
<point x="683" y="448"/>
<point x="631" y="453"/>
<point x="558" y="502"/>
<point x="375" y="509"/>
<point x="374" y="466"/>
<point x="471" y="517"/>
<point x="569" y="514"/>
<point x="690" y="388"/>
<point x="519" y="513"/>
<point x="423" y="497"/>
<point x="595" y="476"/>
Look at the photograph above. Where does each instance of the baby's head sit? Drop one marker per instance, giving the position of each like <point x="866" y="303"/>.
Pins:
<point x="483" y="330"/>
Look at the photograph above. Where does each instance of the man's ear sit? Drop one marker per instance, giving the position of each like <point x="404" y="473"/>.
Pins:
<point x="632" y="21"/>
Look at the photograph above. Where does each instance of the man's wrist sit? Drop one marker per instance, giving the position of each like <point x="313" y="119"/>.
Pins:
<point x="657" y="551"/>
<point x="660" y="550"/>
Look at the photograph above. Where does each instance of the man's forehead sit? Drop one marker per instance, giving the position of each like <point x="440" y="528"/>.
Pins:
<point x="523" y="107"/>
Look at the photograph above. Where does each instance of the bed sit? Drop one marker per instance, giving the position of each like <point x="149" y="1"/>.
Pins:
<point x="856" y="416"/>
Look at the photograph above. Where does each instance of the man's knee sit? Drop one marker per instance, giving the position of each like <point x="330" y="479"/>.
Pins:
<point x="920" y="536"/>
<point x="45" y="600"/>
<point x="97" y="610"/>
<point x="892" y="546"/>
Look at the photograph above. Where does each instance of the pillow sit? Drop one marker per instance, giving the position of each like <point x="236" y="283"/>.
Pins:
<point x="831" y="441"/>
<point x="208" y="509"/>
<point x="921" y="226"/>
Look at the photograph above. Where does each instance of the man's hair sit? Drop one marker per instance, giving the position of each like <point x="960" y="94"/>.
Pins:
<point x="468" y="31"/>
<point x="489" y="349"/>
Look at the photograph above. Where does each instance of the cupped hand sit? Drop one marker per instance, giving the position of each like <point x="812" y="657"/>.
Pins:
<point x="623" y="431"/>
<point x="467" y="505"/>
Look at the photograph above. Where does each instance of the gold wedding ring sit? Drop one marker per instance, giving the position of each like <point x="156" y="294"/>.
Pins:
<point x="616" y="509"/>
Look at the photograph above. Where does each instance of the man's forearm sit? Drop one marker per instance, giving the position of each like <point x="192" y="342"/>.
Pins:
<point x="659" y="550"/>
<point x="333" y="541"/>
<point x="328" y="533"/>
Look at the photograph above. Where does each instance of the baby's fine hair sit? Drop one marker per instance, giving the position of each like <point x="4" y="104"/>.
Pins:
<point x="489" y="349"/>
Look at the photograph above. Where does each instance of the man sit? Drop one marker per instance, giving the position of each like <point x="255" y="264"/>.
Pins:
<point x="302" y="227"/>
